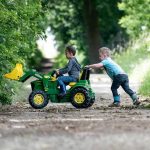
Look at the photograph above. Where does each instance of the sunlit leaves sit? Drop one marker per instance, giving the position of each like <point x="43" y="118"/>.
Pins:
<point x="137" y="16"/>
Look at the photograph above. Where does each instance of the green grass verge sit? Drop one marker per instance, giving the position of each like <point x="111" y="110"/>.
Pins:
<point x="145" y="86"/>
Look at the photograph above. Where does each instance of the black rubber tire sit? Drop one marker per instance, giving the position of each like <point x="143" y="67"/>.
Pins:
<point x="31" y="99"/>
<point x="91" y="102"/>
<point x="86" y="94"/>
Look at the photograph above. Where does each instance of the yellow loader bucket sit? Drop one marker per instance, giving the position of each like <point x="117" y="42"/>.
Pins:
<point x="16" y="73"/>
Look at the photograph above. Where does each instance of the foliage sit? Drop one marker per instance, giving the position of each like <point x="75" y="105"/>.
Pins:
<point x="67" y="21"/>
<point x="136" y="22"/>
<point x="145" y="87"/>
<point x="137" y="54"/>
<point x="66" y="24"/>
<point x="21" y="22"/>
<point x="109" y="15"/>
<point x="134" y="54"/>
<point x="137" y="16"/>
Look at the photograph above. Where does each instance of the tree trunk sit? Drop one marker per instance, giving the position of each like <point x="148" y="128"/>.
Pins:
<point x="92" y="30"/>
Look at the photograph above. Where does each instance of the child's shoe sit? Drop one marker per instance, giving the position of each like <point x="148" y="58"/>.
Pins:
<point x="114" y="104"/>
<point x="135" y="99"/>
<point x="136" y="102"/>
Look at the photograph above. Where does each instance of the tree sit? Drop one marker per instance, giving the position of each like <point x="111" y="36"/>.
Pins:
<point x="90" y="23"/>
<point x="137" y="16"/>
<point x="21" y="22"/>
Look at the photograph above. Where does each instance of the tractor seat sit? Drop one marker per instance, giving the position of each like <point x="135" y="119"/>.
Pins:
<point x="72" y="84"/>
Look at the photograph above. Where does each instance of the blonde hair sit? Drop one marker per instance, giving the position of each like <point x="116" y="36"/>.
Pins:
<point x="105" y="50"/>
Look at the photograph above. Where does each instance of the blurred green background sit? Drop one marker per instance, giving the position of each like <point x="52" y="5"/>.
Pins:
<point x="121" y="25"/>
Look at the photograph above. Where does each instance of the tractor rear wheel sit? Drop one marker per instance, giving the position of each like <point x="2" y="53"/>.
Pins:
<point x="91" y="102"/>
<point x="80" y="97"/>
<point x="38" y="99"/>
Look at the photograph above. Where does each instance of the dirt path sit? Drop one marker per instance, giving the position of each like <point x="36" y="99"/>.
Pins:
<point x="61" y="126"/>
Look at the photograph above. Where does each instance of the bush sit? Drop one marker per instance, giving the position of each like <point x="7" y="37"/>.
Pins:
<point x="136" y="18"/>
<point x="21" y="23"/>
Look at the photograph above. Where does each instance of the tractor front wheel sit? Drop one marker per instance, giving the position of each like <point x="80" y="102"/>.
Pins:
<point x="80" y="98"/>
<point x="38" y="99"/>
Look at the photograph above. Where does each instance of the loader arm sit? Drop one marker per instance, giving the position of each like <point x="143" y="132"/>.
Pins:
<point x="18" y="74"/>
<point x="30" y="73"/>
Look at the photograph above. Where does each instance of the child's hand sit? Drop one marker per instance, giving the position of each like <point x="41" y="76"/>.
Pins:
<point x="57" y="72"/>
<point x="87" y="66"/>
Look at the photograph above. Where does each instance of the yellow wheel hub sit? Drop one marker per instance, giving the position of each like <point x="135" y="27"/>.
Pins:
<point x="79" y="98"/>
<point x="38" y="99"/>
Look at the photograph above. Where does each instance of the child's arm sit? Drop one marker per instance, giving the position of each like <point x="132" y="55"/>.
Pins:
<point x="98" y="65"/>
<point x="66" y="69"/>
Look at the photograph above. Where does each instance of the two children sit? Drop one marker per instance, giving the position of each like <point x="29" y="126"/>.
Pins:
<point x="72" y="68"/>
<point x="118" y="76"/>
<point x="114" y="71"/>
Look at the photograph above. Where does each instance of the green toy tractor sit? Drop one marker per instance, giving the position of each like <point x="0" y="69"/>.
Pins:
<point x="45" y="87"/>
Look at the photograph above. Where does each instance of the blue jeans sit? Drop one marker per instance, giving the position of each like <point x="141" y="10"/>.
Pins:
<point x="63" y="81"/>
<point x="123" y="81"/>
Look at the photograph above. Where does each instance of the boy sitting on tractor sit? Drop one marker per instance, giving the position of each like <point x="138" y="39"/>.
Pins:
<point x="72" y="68"/>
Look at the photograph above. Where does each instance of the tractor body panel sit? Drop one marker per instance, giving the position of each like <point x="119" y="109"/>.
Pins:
<point x="82" y="83"/>
<point x="50" y="87"/>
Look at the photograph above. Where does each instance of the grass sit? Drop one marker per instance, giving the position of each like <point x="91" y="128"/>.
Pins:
<point x="145" y="86"/>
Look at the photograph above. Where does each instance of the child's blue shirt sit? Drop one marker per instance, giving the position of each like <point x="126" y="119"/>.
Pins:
<point x="112" y="68"/>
